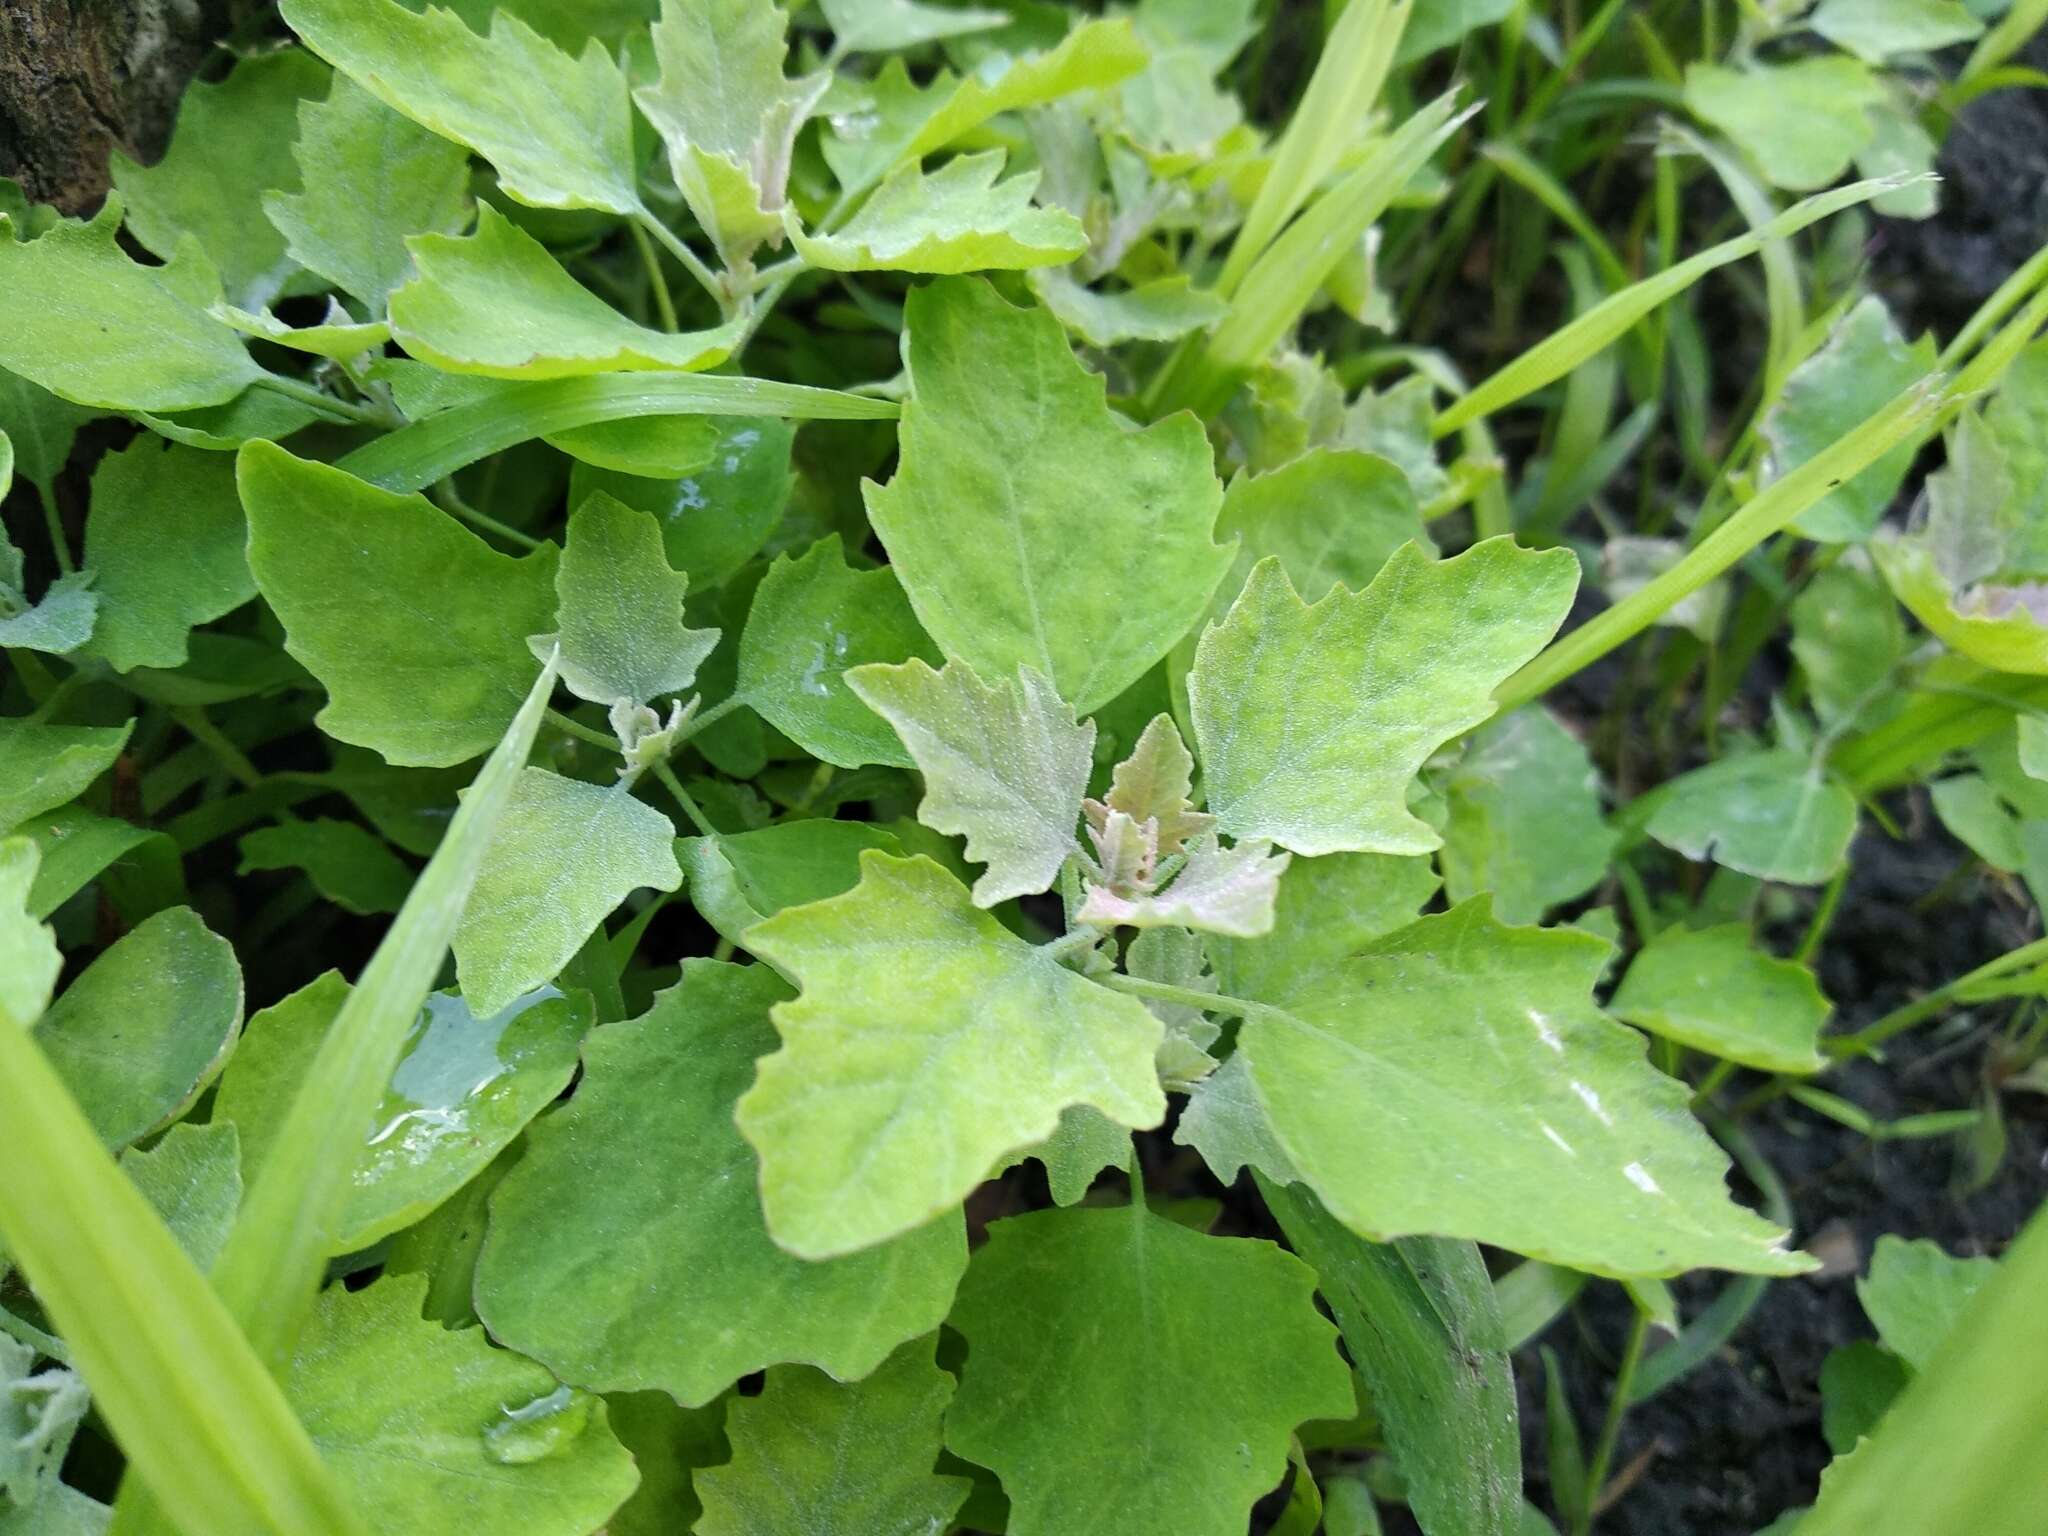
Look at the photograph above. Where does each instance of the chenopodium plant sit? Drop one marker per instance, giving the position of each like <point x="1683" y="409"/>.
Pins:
<point x="1179" y="722"/>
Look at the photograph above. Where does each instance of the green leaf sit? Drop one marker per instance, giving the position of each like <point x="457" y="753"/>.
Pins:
<point x="1864" y="364"/>
<point x="1847" y="638"/>
<point x="727" y="114"/>
<point x="1524" y="817"/>
<point x="1802" y="122"/>
<point x="1707" y="988"/>
<point x="1992" y="624"/>
<point x="669" y="1444"/>
<point x="86" y="323"/>
<point x="1329" y="909"/>
<point x="60" y="623"/>
<point x="1164" y="309"/>
<point x="432" y="1430"/>
<point x="337" y="336"/>
<point x="895" y="121"/>
<point x="738" y="880"/>
<point x="621" y="609"/>
<point x="1876" y="30"/>
<point x="370" y="178"/>
<point x="564" y="855"/>
<point x="496" y="303"/>
<point x="716" y="518"/>
<point x="348" y="864"/>
<point x="652" y="447"/>
<point x="1086" y="1142"/>
<point x="1858" y="1382"/>
<point x="43" y="766"/>
<point x="1227" y="1124"/>
<point x="1153" y="785"/>
<point x="627" y="1249"/>
<point x="415" y="626"/>
<point x="1915" y="1292"/>
<point x="956" y="220"/>
<point x="928" y="1043"/>
<point x="884" y="26"/>
<point x="1420" y="1320"/>
<point x="1296" y="747"/>
<point x="147" y="1026"/>
<point x="193" y="1179"/>
<point x="813" y="619"/>
<point x="40" y="427"/>
<point x="29" y="961"/>
<point x="1029" y="527"/>
<point x="810" y="1454"/>
<point x="1435" y="24"/>
<point x="1771" y="814"/>
<point x="1005" y="765"/>
<point x="1196" y="1355"/>
<point x="232" y="142"/>
<point x="2017" y="416"/>
<point x="1436" y="1026"/>
<point x="463" y="1088"/>
<point x="562" y="138"/>
<point x="1332" y="517"/>
<point x="77" y="845"/>
<point x="164" y="539"/>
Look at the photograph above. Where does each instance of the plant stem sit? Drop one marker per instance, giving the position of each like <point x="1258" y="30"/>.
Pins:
<point x="1617" y="1410"/>
<point x="326" y="404"/>
<point x="1823" y="915"/>
<point x="53" y="519"/>
<point x="664" y="301"/>
<point x="691" y="809"/>
<point x="1188" y="997"/>
<point x="28" y="1333"/>
<point x="225" y="752"/>
<point x="569" y="725"/>
<point x="451" y="500"/>
<point x="1864" y="1040"/>
<point x="690" y="261"/>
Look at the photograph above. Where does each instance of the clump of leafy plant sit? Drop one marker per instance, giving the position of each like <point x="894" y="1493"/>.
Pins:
<point x="907" y="591"/>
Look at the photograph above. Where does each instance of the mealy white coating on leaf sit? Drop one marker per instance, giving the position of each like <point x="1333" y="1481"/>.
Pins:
<point x="1005" y="765"/>
<point x="565" y="854"/>
<point x="1219" y="890"/>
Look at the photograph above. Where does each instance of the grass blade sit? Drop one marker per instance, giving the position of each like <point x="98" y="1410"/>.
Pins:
<point x="200" y="1418"/>
<point x="1348" y="76"/>
<point x="271" y="1267"/>
<point x="1563" y="350"/>
<point x="416" y="456"/>
<point x="1960" y="1449"/>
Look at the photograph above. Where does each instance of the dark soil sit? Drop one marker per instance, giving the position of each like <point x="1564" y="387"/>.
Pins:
<point x="1738" y="1442"/>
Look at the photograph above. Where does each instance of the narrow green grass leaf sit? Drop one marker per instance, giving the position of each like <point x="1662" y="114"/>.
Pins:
<point x="200" y="1419"/>
<point x="416" y="456"/>
<point x="273" y="1262"/>
<point x="1565" y="349"/>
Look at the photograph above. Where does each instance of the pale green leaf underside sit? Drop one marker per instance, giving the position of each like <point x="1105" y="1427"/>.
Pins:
<point x="1220" y="890"/>
<point x="1195" y="1356"/>
<point x="496" y="303"/>
<point x="1312" y="720"/>
<point x="564" y="855"/>
<point x="1914" y="1293"/>
<point x="29" y="961"/>
<point x="929" y="1042"/>
<point x="370" y="178"/>
<point x="622" y="634"/>
<point x="1504" y="1106"/>
<point x="811" y="1454"/>
<point x="1005" y="765"/>
<point x="558" y="129"/>
<point x="1164" y="309"/>
<point x="416" y="627"/>
<point x="1710" y="989"/>
<point x="1028" y="524"/>
<point x="1524" y="818"/>
<point x="958" y="219"/>
<point x="627" y="1249"/>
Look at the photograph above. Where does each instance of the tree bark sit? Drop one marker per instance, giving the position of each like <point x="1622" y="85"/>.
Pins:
<point x="81" y="78"/>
